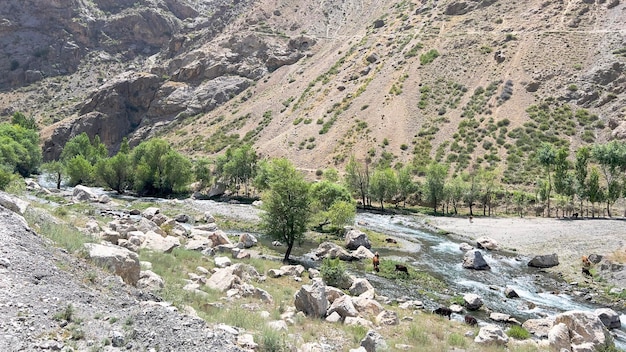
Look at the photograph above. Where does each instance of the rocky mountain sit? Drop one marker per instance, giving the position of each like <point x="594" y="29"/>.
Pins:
<point x="470" y="82"/>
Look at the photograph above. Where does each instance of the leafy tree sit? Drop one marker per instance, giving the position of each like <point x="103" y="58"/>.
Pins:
<point x="357" y="179"/>
<point x="435" y="183"/>
<point x="82" y="145"/>
<point x="547" y="158"/>
<point x="582" y="160"/>
<point x="594" y="191"/>
<point x="6" y="176"/>
<point x="262" y="179"/>
<point x="238" y="166"/>
<point x="383" y="185"/>
<point x="55" y="171"/>
<point x="28" y="123"/>
<point x="341" y="213"/>
<point x="563" y="178"/>
<point x="487" y="181"/>
<point x="286" y="204"/>
<point x="331" y="175"/>
<point x="324" y="195"/>
<point x="115" y="172"/>
<point x="456" y="189"/>
<point x="79" y="170"/>
<point x="159" y="169"/>
<point x="406" y="186"/>
<point x="612" y="159"/>
<point x="19" y="149"/>
<point x="202" y="172"/>
<point x="520" y="199"/>
<point x="472" y="190"/>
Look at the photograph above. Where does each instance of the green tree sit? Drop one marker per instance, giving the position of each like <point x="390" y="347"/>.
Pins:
<point x="79" y="170"/>
<point x="159" y="169"/>
<point x="563" y="178"/>
<point x="82" y="145"/>
<point x="406" y="185"/>
<point x="202" y="172"/>
<point x="331" y="175"/>
<point x="520" y="199"/>
<point x="594" y="191"/>
<point x="383" y="185"/>
<point x="612" y="159"/>
<point x="547" y="158"/>
<point x="286" y="204"/>
<point x="116" y="172"/>
<point x="472" y="190"/>
<point x="238" y="167"/>
<point x="6" y="176"/>
<point x="28" y="123"/>
<point x="19" y="149"/>
<point x="55" y="171"/>
<point x="456" y="189"/>
<point x="434" y="185"/>
<point x="357" y="179"/>
<point x="341" y="213"/>
<point x="487" y="181"/>
<point x="324" y="195"/>
<point x="582" y="161"/>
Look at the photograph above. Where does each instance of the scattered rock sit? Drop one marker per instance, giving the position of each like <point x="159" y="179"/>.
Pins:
<point x="578" y="331"/>
<point x="472" y="301"/>
<point x="156" y="242"/>
<point x="465" y="247"/>
<point x="359" y="286"/>
<point x="539" y="327"/>
<point x="150" y="281"/>
<point x="355" y="239"/>
<point x="544" y="261"/>
<point x="510" y="293"/>
<point x="84" y="194"/>
<point x="222" y="262"/>
<point x="474" y="260"/>
<point x="332" y="251"/>
<point x="343" y="306"/>
<point x="486" y="243"/>
<point x="387" y="317"/>
<point x="362" y="253"/>
<point x="248" y="240"/>
<point x="150" y="212"/>
<point x="609" y="318"/>
<point x="119" y="260"/>
<point x="311" y="299"/>
<point x="491" y="334"/>
<point x="373" y="342"/>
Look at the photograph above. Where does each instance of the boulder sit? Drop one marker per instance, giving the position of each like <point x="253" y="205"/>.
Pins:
<point x="387" y="317"/>
<point x="154" y="241"/>
<point x="334" y="317"/>
<point x="208" y="218"/>
<point x="609" y="318"/>
<point x="358" y="321"/>
<point x="359" y="286"/>
<point x="160" y="219"/>
<point x="411" y="305"/>
<point x="173" y="227"/>
<point x="144" y="225"/>
<point x="367" y="306"/>
<point x="247" y="240"/>
<point x="539" y="327"/>
<point x="198" y="243"/>
<point x="84" y="194"/>
<point x="311" y="299"/>
<point x="232" y="276"/>
<point x="332" y="293"/>
<point x="491" y="334"/>
<point x="275" y="273"/>
<point x="585" y="331"/>
<point x="355" y="239"/>
<point x="465" y="247"/>
<point x="510" y="293"/>
<point x="472" y="301"/>
<point x="374" y="342"/>
<point x="12" y="203"/>
<point x="110" y="235"/>
<point x="150" y="212"/>
<point x="362" y="253"/>
<point x="219" y="238"/>
<point x="150" y="281"/>
<point x="292" y="270"/>
<point x="222" y="262"/>
<point x="332" y="251"/>
<point x="500" y="317"/>
<point x="486" y="243"/>
<point x="343" y="306"/>
<point x="183" y="218"/>
<point x="544" y="261"/>
<point x="474" y="260"/>
<point x="121" y="261"/>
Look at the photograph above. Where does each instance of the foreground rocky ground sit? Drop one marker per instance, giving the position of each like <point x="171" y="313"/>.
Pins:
<point x="52" y="300"/>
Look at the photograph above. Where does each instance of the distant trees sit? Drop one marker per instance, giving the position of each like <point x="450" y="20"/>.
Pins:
<point x="434" y="184"/>
<point x="237" y="167"/>
<point x="19" y="148"/>
<point x="383" y="185"/>
<point x="159" y="169"/>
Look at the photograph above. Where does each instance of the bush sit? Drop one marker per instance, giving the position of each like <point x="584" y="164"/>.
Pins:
<point x="271" y="340"/>
<point x="333" y="272"/>
<point x="429" y="57"/>
<point x="518" y="332"/>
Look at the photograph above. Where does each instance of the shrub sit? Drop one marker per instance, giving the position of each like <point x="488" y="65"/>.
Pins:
<point x="271" y="340"/>
<point x="518" y="332"/>
<point x="429" y="57"/>
<point x="66" y="314"/>
<point x="332" y="271"/>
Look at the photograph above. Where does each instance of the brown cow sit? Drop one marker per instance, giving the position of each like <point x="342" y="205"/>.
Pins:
<point x="376" y="262"/>
<point x="470" y="320"/>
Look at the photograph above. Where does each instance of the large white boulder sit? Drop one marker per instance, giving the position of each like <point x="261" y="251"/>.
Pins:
<point x="374" y="342"/>
<point x="472" y="301"/>
<point x="14" y="204"/>
<point x="121" y="261"/>
<point x="585" y="331"/>
<point x="84" y="194"/>
<point x="150" y="281"/>
<point x="355" y="239"/>
<point x="343" y="306"/>
<point x="247" y="240"/>
<point x="311" y="299"/>
<point x="486" y="243"/>
<point x="473" y="259"/>
<point x="491" y="334"/>
<point x="609" y="318"/>
<point x="154" y="241"/>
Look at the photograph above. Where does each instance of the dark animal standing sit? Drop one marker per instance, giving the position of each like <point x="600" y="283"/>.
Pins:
<point x="376" y="262"/>
<point x="402" y="268"/>
<point x="390" y="240"/>
<point x="470" y="320"/>
<point x="444" y="312"/>
<point x="575" y="215"/>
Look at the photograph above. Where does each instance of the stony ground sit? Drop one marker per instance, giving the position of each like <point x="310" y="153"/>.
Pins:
<point x="38" y="283"/>
<point x="569" y="239"/>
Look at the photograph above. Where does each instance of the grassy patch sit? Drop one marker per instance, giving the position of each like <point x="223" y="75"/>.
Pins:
<point x="518" y="332"/>
<point x="63" y="235"/>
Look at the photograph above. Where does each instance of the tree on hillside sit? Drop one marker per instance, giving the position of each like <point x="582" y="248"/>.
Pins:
<point x="547" y="157"/>
<point x="580" y="170"/>
<point x="383" y="185"/>
<point x="286" y="204"/>
<point x="159" y="169"/>
<point x="406" y="185"/>
<point x="202" y="172"/>
<point x="434" y="185"/>
<point x="28" y="123"/>
<point x="563" y="178"/>
<point x="357" y="179"/>
<point x="612" y="159"/>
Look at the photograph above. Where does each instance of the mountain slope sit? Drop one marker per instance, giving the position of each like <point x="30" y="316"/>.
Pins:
<point x="318" y="82"/>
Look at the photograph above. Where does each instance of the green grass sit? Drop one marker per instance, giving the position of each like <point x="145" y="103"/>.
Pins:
<point x="270" y="340"/>
<point x="518" y="332"/>
<point x="429" y="57"/>
<point x="63" y="235"/>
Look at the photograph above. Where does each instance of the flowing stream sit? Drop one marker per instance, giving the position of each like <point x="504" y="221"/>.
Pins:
<point x="441" y="256"/>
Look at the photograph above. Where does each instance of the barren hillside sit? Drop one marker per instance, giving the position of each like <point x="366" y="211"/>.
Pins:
<point x="468" y="82"/>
